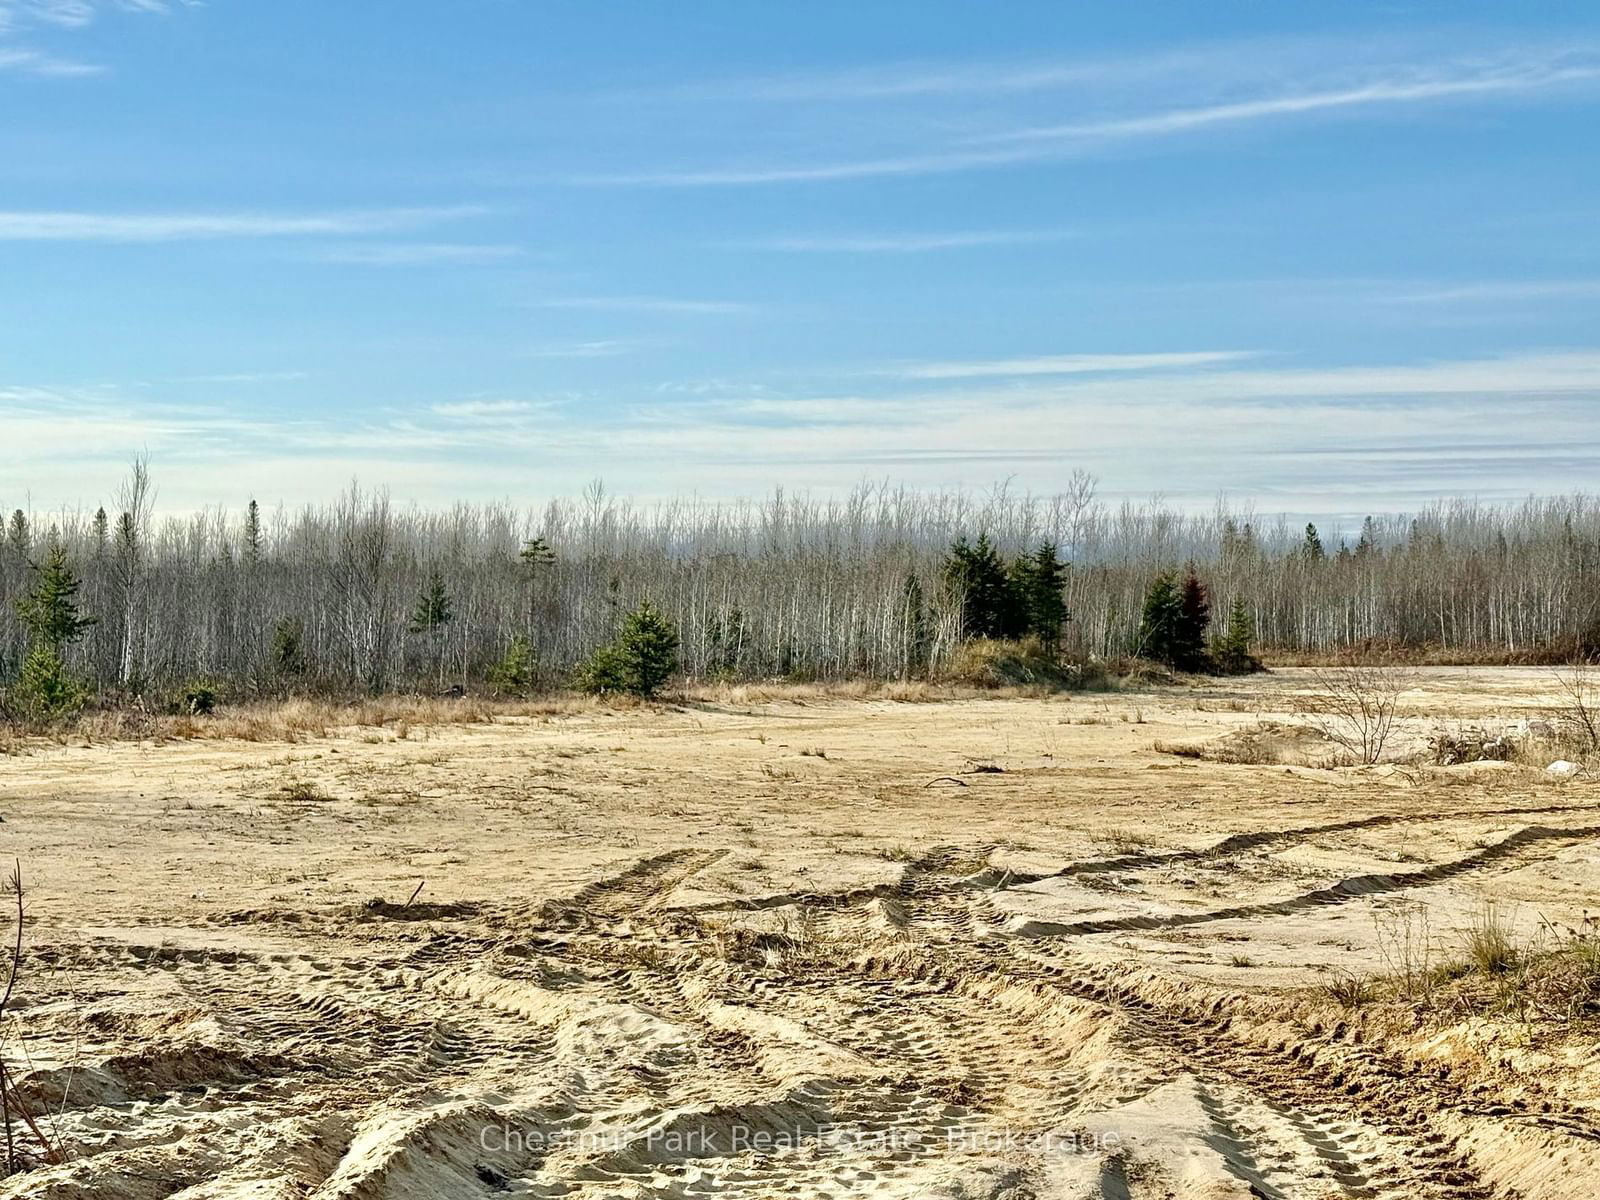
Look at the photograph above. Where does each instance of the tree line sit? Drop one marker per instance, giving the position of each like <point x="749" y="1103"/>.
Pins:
<point x="884" y="582"/>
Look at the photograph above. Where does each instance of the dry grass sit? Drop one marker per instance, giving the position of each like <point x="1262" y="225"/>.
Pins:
<point x="295" y="720"/>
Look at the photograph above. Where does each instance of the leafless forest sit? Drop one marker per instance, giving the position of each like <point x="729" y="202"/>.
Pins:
<point x="788" y="585"/>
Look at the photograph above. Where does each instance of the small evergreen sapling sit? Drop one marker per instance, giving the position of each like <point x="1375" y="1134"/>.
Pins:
<point x="643" y="657"/>
<point x="50" y="612"/>
<point x="513" y="674"/>
<point x="1231" y="651"/>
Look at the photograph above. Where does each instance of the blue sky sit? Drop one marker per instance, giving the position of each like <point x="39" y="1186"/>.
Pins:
<point x="1326" y="258"/>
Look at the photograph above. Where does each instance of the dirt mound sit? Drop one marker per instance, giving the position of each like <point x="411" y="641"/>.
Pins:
<point x="1264" y="743"/>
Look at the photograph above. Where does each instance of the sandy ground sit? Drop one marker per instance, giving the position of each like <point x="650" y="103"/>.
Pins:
<point x="978" y="948"/>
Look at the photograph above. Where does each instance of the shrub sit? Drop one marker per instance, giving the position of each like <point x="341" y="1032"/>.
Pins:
<point x="1230" y="653"/>
<point x="642" y="658"/>
<point x="45" y="691"/>
<point x="513" y="674"/>
<point x="1355" y="707"/>
<point x="199" y="701"/>
<point x="288" y="650"/>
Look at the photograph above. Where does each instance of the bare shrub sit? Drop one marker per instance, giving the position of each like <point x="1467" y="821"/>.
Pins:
<point x="1349" y="990"/>
<point x="1452" y="747"/>
<point x="1579" y="709"/>
<point x="30" y="1137"/>
<point x="1355" y="707"/>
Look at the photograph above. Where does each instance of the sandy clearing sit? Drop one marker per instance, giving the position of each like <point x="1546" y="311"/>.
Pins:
<point x="976" y="948"/>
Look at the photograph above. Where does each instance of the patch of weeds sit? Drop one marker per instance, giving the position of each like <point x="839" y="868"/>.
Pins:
<point x="1349" y="990"/>
<point x="301" y="791"/>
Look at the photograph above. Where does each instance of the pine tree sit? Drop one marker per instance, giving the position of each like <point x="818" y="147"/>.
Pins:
<point x="1194" y="616"/>
<point x="1045" y="581"/>
<point x="102" y="533"/>
<point x="1231" y="651"/>
<point x="536" y="552"/>
<point x="252" y="533"/>
<point x="433" y="610"/>
<point x="643" y="657"/>
<point x="50" y="610"/>
<point x="18" y="538"/>
<point x="50" y="613"/>
<point x="990" y="604"/>
<point x="432" y="613"/>
<point x="1158" y="623"/>
<point x="914" y="623"/>
<point x="1367" y="545"/>
<point x="1312" y="547"/>
<point x="513" y="674"/>
<point x="288" y="649"/>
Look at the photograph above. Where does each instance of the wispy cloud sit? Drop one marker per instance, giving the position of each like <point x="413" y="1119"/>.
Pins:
<point x="650" y="304"/>
<point x="1362" y="87"/>
<point x="1499" y="290"/>
<point x="194" y="226"/>
<point x="242" y="377"/>
<point x="605" y="348"/>
<point x="1383" y="92"/>
<point x="74" y="14"/>
<point x="46" y="66"/>
<point x="1363" y="437"/>
<point x="489" y="411"/>
<point x="17" y="16"/>
<point x="1068" y="364"/>
<point x="422" y="254"/>
<point x="899" y="243"/>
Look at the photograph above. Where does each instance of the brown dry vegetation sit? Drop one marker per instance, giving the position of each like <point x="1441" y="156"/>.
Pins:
<point x="811" y="942"/>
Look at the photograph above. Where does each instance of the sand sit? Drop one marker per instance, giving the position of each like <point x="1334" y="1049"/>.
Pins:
<point x="821" y="948"/>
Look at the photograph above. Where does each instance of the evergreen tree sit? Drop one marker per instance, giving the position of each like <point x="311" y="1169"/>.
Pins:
<point x="433" y="610"/>
<point x="1312" y="547"/>
<point x="1231" y="651"/>
<point x="990" y="605"/>
<point x="1194" y="616"/>
<point x="1367" y="544"/>
<point x="102" y="533"/>
<point x="1158" y="623"/>
<point x="18" y="537"/>
<point x="643" y="657"/>
<point x="50" y="610"/>
<point x="536" y="552"/>
<point x="1045" y="582"/>
<point x="50" y="613"/>
<point x="431" y="614"/>
<point x="513" y="674"/>
<point x="288" y="649"/>
<point x="914" y="620"/>
<point x="252" y="533"/>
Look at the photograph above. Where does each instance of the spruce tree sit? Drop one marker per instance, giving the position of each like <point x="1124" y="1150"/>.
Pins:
<point x="1231" y="651"/>
<point x="288" y="649"/>
<point x="1158" y="623"/>
<point x="990" y="605"/>
<point x="1312" y="547"/>
<point x="431" y="614"/>
<point x="1367" y="545"/>
<point x="643" y="657"/>
<point x="914" y="623"/>
<point x="102" y="533"/>
<point x="252" y="533"/>
<point x="18" y="536"/>
<point x="1194" y="616"/>
<point x="50" y="613"/>
<point x="50" y="610"/>
<point x="513" y="674"/>
<point x="1044" y="599"/>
